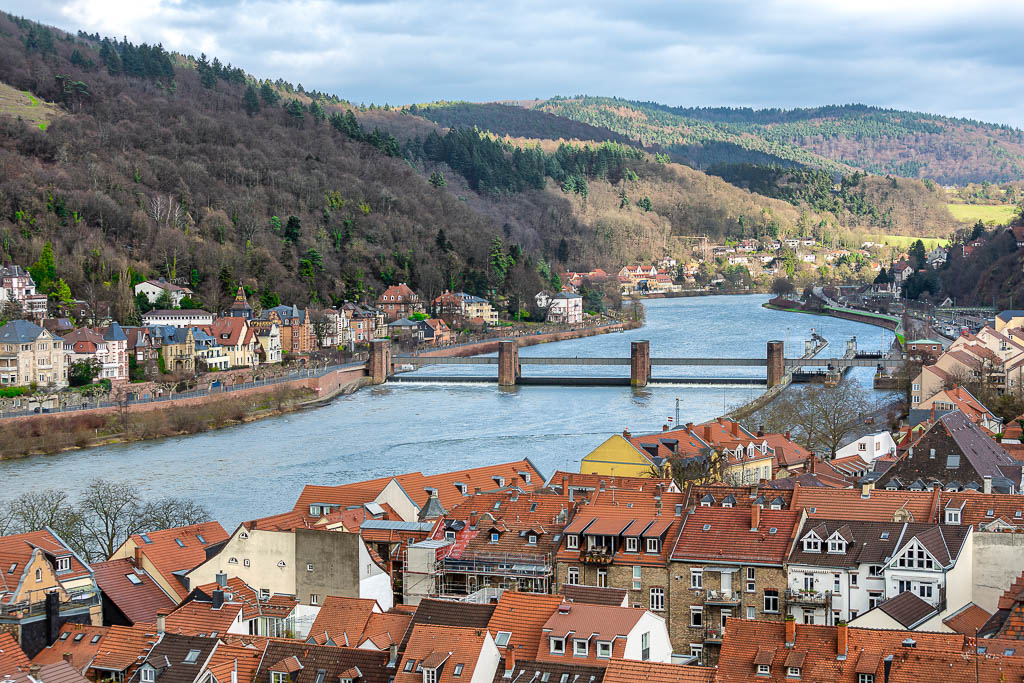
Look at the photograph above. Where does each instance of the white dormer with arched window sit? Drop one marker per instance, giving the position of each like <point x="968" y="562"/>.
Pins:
<point x="836" y="543"/>
<point x="812" y="543"/>
<point x="914" y="556"/>
<point x="751" y="450"/>
<point x="764" y="447"/>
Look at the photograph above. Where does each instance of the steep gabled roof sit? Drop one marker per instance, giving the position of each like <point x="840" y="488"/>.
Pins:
<point x="724" y="535"/>
<point x="443" y="647"/>
<point x="342" y="621"/>
<point x="133" y="591"/>
<point x="180" y="548"/>
<point x="907" y="609"/>
<point x="331" y="661"/>
<point x="80" y="641"/>
<point x="123" y="648"/>
<point x="13" y="659"/>
<point x="523" y="615"/>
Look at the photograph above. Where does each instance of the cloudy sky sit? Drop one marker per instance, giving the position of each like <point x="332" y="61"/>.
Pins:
<point x="944" y="56"/>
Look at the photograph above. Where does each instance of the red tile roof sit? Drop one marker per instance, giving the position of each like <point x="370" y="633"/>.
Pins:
<point x="523" y="615"/>
<point x="124" y="648"/>
<point x="16" y="553"/>
<point x="238" y="591"/>
<point x="434" y="644"/>
<point x="628" y="671"/>
<point x="384" y="629"/>
<point x="140" y="601"/>
<point x="76" y="640"/>
<point x="917" y="665"/>
<point x="604" y="622"/>
<point x="200" y="618"/>
<point x="168" y="556"/>
<point x="967" y="620"/>
<point x="712" y="534"/>
<point x="13" y="659"/>
<point x="342" y="621"/>
<point x="244" y="660"/>
<point x="880" y="506"/>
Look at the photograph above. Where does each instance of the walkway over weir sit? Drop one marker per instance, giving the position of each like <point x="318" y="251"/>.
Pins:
<point x="640" y="362"/>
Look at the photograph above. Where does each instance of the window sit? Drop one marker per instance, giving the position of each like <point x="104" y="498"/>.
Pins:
<point x="696" y="616"/>
<point x="862" y="446"/>
<point x="697" y="651"/>
<point x="632" y="544"/>
<point x="245" y="562"/>
<point x="63" y="564"/>
<point x="764" y="670"/>
<point x="532" y="539"/>
<point x="875" y="570"/>
<point x="637" y="573"/>
<point x="653" y="545"/>
<point x="572" y="542"/>
<point x="449" y="535"/>
<point x="146" y="675"/>
<point x="503" y="638"/>
<point x="771" y="601"/>
<point x="809" y="618"/>
<point x="836" y="545"/>
<point x="865" y="678"/>
<point x="430" y="676"/>
<point x="835" y="583"/>
<point x="232" y="560"/>
<point x="809" y="582"/>
<point x="751" y="583"/>
<point x="793" y="672"/>
<point x="199" y="537"/>
<point x="657" y="599"/>
<point x="924" y="590"/>
<point x="952" y="516"/>
<point x="580" y="647"/>
<point x="314" y="599"/>
<point x="751" y="612"/>
<point x="39" y="575"/>
<point x="409" y="664"/>
<point x="604" y="650"/>
<point x="314" y="510"/>
<point x="853" y="579"/>
<point x="192" y="657"/>
<point x="264" y="594"/>
<point x="557" y="646"/>
<point x="696" y="578"/>
<point x="495" y="536"/>
<point x="458" y="670"/>
<point x="602" y="578"/>
<point x="645" y="646"/>
<point x="309" y="567"/>
<point x="874" y="598"/>
<point x="812" y="544"/>
<point x="572" y="576"/>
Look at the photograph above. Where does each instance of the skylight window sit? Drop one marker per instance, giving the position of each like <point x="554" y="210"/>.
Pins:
<point x="503" y="638"/>
<point x="14" y="565"/>
<point x="321" y="674"/>
<point x="95" y="638"/>
<point x="145" y="539"/>
<point x="192" y="657"/>
<point x="179" y="542"/>
<point x="133" y="579"/>
<point x="199" y="537"/>
<point x="707" y="527"/>
<point x="458" y="669"/>
<point x="885" y="535"/>
<point x="64" y="636"/>
<point x="79" y="636"/>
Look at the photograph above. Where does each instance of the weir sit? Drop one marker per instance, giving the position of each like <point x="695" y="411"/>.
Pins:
<point x="779" y="368"/>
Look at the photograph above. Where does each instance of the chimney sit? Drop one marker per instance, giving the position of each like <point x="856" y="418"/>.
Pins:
<point x="787" y="436"/>
<point x="392" y="655"/>
<point x="790" y="631"/>
<point x="33" y="671"/>
<point x="222" y="579"/>
<point x="138" y="556"/>
<point x="66" y="657"/>
<point x="52" y="617"/>
<point x="719" y="418"/>
<point x="707" y="433"/>
<point x="664" y="428"/>
<point x="510" y="660"/>
<point x="161" y="620"/>
<point x="755" y="517"/>
<point x="689" y="427"/>
<point x="865" y="489"/>
<point x="735" y="428"/>
<point x="760" y="430"/>
<point x="218" y="599"/>
<point x="987" y="484"/>
<point x="933" y="412"/>
<point x="841" y="634"/>
<point x="626" y="434"/>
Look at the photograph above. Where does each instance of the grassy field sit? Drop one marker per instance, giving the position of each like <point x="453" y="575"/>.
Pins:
<point x="904" y="241"/>
<point x="999" y="214"/>
<point x="21" y="104"/>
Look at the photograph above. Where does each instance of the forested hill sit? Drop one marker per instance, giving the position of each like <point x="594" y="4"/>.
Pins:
<point x="879" y="141"/>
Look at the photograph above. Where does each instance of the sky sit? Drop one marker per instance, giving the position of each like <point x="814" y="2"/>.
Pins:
<point x="946" y="57"/>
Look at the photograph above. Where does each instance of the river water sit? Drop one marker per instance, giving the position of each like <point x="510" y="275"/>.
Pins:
<point x="257" y="469"/>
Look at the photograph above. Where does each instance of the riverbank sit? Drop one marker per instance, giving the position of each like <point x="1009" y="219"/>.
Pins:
<point x="888" y="322"/>
<point x="46" y="434"/>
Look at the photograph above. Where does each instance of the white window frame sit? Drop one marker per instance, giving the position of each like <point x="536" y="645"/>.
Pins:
<point x="696" y="615"/>
<point x="314" y="599"/>
<point x="572" y="542"/>
<point x="632" y="544"/>
<point x="774" y="598"/>
<point x="63" y="564"/>
<point x="146" y="675"/>
<point x="657" y="599"/>
<point x="572" y="576"/>
<point x="865" y="678"/>
<point x="637" y="577"/>
<point x="501" y="640"/>
<point x="697" y="579"/>
<point x="559" y="642"/>
<point x="603" y="649"/>
<point x="751" y="580"/>
<point x="653" y="545"/>
<point x="531" y="539"/>
<point x="602" y="578"/>
<point x="580" y="647"/>
<point x="952" y="516"/>
<point x="764" y="670"/>
<point x="812" y="544"/>
<point x="429" y="675"/>
<point x="793" y="672"/>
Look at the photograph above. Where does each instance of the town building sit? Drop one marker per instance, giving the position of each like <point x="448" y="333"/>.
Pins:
<point x="956" y="398"/>
<point x="565" y="308"/>
<point x="154" y="289"/>
<point x="868" y="447"/>
<point x="130" y="595"/>
<point x="295" y="328"/>
<point x="177" y="318"/>
<point x="399" y="301"/>
<point x="459" y="309"/>
<point x="728" y="562"/>
<point x="923" y="350"/>
<point x="109" y="350"/>
<point x="240" y="307"/>
<point x="31" y="355"/>
<point x="269" y="351"/>
<point x="593" y="635"/>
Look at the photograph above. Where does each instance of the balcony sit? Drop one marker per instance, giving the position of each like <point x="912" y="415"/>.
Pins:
<point x="596" y="556"/>
<point x="713" y="634"/>
<point x="721" y="597"/>
<point x="805" y="597"/>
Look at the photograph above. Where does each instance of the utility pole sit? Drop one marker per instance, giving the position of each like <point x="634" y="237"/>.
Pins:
<point x="677" y="412"/>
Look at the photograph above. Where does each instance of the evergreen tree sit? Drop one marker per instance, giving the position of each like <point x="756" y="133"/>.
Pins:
<point x="293" y="229"/>
<point x="251" y="100"/>
<point x="44" y="271"/>
<point x="268" y="94"/>
<point x="437" y="179"/>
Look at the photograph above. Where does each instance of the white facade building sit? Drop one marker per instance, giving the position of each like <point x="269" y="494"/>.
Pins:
<point x="869" y="447"/>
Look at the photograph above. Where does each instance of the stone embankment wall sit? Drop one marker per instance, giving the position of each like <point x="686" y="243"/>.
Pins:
<point x="491" y="345"/>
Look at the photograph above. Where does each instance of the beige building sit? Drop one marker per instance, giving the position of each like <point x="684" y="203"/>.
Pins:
<point x="28" y="354"/>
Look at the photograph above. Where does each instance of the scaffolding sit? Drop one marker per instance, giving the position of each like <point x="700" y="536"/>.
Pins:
<point x="430" y="571"/>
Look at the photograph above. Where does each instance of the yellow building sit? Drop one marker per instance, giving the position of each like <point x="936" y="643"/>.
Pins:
<point x="1009" y="319"/>
<point x="618" y="457"/>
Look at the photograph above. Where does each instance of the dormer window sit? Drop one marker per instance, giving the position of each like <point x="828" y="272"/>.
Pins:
<point x="836" y="544"/>
<point x="63" y="564"/>
<point x="495" y="536"/>
<point x="764" y="670"/>
<point x="572" y="542"/>
<point x="314" y="510"/>
<point x="449" y="535"/>
<point x="429" y="675"/>
<point x="812" y="544"/>
<point x="793" y="672"/>
<point x="653" y="545"/>
<point x="580" y="647"/>
<point x="532" y="539"/>
<point x="556" y="645"/>
<point x="952" y="515"/>
<point x="632" y="544"/>
<point x="147" y="674"/>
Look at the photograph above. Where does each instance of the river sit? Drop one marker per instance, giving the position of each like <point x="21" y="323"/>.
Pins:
<point x="259" y="468"/>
